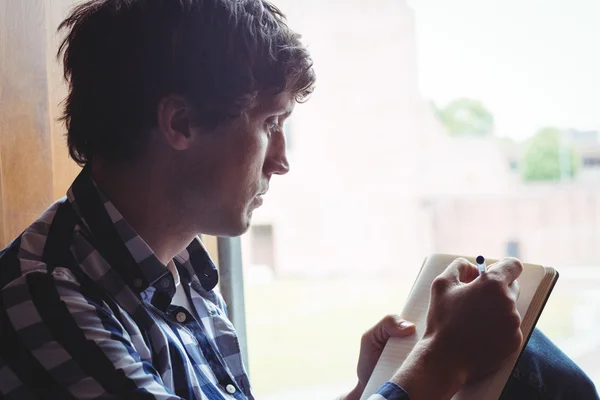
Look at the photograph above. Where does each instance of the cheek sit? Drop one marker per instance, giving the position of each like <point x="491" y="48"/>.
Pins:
<point x="245" y="169"/>
<point x="255" y="154"/>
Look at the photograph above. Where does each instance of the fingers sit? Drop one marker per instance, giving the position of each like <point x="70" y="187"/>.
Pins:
<point x="514" y="290"/>
<point x="507" y="270"/>
<point x="394" y="326"/>
<point x="459" y="271"/>
<point x="402" y="328"/>
<point x="390" y="326"/>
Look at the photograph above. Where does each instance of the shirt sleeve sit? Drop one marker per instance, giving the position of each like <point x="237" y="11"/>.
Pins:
<point x="58" y="341"/>
<point x="390" y="391"/>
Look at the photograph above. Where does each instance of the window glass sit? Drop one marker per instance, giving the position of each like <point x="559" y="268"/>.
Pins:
<point x="465" y="127"/>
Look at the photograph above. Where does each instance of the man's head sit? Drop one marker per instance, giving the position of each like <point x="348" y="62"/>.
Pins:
<point x="201" y="87"/>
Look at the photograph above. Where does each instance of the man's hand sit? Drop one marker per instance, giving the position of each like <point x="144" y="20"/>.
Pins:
<point x="371" y="346"/>
<point x="472" y="327"/>
<point x="474" y="318"/>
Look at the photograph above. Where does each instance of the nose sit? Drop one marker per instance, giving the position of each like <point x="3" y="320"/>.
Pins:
<point x="283" y="166"/>
<point x="277" y="161"/>
<point x="278" y="166"/>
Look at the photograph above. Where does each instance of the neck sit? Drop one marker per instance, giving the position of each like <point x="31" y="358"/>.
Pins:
<point x="140" y="192"/>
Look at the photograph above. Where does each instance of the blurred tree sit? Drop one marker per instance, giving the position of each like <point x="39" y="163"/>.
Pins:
<point x="548" y="158"/>
<point x="466" y="117"/>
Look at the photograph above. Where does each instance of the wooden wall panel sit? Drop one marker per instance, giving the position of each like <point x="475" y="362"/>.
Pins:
<point x="25" y="143"/>
<point x="210" y="242"/>
<point x="35" y="168"/>
<point x="63" y="168"/>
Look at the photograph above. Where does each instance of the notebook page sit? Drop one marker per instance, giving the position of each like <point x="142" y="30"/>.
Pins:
<point x="415" y="310"/>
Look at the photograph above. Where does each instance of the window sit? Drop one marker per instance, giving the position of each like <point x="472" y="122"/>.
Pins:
<point x="591" y="162"/>
<point x="370" y="152"/>
<point x="262" y="246"/>
<point x="289" y="133"/>
<point x="512" y="249"/>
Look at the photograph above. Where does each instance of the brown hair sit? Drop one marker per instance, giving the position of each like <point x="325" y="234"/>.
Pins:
<point x="122" y="56"/>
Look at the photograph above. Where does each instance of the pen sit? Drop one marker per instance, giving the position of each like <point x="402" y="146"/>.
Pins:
<point x="480" y="264"/>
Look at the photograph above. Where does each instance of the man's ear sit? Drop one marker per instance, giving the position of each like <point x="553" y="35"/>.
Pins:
<point x="175" y="117"/>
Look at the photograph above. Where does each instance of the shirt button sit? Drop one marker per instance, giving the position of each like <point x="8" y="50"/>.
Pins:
<point x="165" y="283"/>
<point x="137" y="282"/>
<point x="181" y="317"/>
<point x="230" y="389"/>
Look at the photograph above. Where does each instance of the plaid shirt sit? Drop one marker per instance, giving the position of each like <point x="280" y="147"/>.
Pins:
<point x="86" y="313"/>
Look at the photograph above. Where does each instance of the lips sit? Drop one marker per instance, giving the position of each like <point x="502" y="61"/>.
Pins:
<point x="259" y="197"/>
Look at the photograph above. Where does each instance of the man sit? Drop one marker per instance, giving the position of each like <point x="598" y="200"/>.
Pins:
<point x="175" y="110"/>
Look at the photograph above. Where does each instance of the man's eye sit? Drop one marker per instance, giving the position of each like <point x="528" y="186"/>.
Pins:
<point x="272" y="126"/>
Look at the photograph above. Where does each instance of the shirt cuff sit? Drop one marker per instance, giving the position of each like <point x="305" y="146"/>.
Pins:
<point x="390" y="391"/>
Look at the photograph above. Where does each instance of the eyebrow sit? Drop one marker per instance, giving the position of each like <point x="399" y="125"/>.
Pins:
<point x="274" y="111"/>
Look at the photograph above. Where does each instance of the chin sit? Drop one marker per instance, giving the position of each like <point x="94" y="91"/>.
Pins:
<point x="238" y="231"/>
<point x="245" y="226"/>
<point x="238" y="227"/>
<point x="228" y="224"/>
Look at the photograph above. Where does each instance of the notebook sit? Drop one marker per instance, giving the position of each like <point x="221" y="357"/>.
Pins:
<point x="536" y="283"/>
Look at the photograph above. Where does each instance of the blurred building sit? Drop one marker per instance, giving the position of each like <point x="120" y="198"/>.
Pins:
<point x="377" y="184"/>
<point x="348" y="206"/>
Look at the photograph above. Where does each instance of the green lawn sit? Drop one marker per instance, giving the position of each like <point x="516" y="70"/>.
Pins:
<point x="307" y="333"/>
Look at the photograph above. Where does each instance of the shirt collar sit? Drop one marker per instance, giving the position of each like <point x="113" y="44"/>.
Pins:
<point x="125" y="250"/>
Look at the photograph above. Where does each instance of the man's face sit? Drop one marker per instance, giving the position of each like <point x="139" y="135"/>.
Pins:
<point x="229" y="169"/>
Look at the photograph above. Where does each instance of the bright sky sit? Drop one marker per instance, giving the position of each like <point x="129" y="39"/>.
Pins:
<point x="533" y="63"/>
